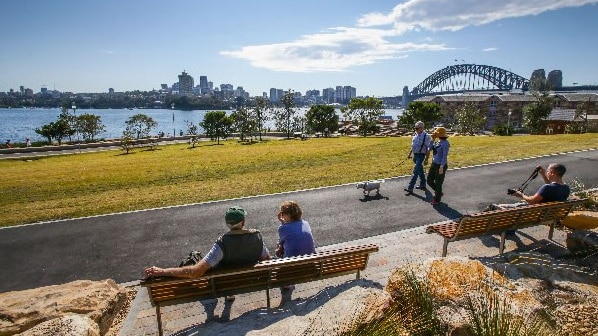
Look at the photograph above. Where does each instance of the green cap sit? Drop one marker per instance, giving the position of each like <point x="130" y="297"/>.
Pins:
<point x="234" y="215"/>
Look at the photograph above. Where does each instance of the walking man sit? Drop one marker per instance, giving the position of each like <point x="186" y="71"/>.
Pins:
<point x="420" y="146"/>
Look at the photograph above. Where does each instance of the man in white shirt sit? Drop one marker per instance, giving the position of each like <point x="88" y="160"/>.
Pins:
<point x="420" y="151"/>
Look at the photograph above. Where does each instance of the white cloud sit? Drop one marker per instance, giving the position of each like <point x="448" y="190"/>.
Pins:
<point x="109" y="52"/>
<point x="451" y="15"/>
<point x="335" y="50"/>
<point x="341" y="48"/>
<point x="491" y="49"/>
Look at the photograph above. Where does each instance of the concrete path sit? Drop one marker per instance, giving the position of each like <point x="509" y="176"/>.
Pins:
<point x="120" y="246"/>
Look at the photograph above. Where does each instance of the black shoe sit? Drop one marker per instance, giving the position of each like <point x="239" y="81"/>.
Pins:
<point x="410" y="191"/>
<point x="421" y="188"/>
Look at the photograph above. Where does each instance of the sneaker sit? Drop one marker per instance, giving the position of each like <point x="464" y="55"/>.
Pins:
<point x="435" y="201"/>
<point x="230" y="298"/>
<point x="410" y="191"/>
<point x="421" y="188"/>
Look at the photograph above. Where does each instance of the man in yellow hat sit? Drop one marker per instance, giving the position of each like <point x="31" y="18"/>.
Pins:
<point x="439" y="166"/>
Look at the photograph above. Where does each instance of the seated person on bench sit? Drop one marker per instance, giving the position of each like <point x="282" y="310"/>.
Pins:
<point x="237" y="247"/>
<point x="553" y="190"/>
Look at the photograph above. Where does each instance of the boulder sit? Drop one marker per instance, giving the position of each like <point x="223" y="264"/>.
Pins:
<point x="582" y="240"/>
<point x="529" y="283"/>
<point x="581" y="220"/>
<point x="96" y="300"/>
<point x="70" y="325"/>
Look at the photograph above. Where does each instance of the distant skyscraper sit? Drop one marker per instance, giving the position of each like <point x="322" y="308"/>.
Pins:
<point x="555" y="79"/>
<point x="328" y="95"/>
<point x="185" y="83"/>
<point x="203" y="82"/>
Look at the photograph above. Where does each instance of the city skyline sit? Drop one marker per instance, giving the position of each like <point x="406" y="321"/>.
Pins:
<point x="378" y="48"/>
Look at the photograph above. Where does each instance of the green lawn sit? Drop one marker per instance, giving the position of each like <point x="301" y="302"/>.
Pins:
<point x="104" y="182"/>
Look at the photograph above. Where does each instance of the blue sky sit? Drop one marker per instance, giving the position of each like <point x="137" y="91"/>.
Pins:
<point x="377" y="47"/>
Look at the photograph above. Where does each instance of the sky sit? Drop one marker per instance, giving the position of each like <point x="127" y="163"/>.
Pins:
<point x="378" y="47"/>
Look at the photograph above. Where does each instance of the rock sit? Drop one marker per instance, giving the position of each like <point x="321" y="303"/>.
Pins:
<point x="529" y="283"/>
<point x="581" y="220"/>
<point x="22" y="310"/>
<point x="70" y="325"/>
<point x="581" y="240"/>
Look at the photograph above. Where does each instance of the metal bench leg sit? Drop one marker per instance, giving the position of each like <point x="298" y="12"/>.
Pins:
<point x="444" y="247"/>
<point x="358" y="274"/>
<point x="268" y="297"/>
<point x="501" y="247"/>
<point x="551" y="231"/>
<point x="159" y="318"/>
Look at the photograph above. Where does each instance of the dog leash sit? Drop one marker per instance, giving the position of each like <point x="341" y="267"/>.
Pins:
<point x="402" y="162"/>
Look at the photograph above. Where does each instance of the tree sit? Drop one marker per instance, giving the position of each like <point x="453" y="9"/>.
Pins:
<point x="580" y="120"/>
<point x="141" y="125"/>
<point x="365" y="112"/>
<point x="68" y="123"/>
<point x="55" y="130"/>
<point x="244" y="123"/>
<point x="90" y="126"/>
<point x="322" y="118"/>
<point x="217" y="125"/>
<point x="469" y="119"/>
<point x="536" y="112"/>
<point x="127" y="139"/>
<point x="284" y="116"/>
<point x="260" y="112"/>
<point x="192" y="130"/>
<point x="428" y="113"/>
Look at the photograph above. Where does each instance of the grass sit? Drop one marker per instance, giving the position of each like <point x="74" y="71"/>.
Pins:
<point x="67" y="186"/>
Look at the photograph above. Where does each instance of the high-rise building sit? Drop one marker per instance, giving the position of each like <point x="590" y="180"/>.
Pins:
<point x="328" y="95"/>
<point x="185" y="83"/>
<point x="204" y="87"/>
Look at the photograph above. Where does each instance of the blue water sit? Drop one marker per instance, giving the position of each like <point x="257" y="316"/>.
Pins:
<point x="18" y="124"/>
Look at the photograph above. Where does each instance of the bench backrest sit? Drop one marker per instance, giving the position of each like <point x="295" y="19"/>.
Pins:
<point x="263" y="275"/>
<point x="501" y="220"/>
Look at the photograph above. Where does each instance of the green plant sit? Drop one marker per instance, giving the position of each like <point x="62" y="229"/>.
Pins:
<point x="413" y="312"/>
<point x="578" y="189"/>
<point x="489" y="315"/>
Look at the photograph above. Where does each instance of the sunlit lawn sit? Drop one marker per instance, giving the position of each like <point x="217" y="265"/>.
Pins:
<point x="104" y="182"/>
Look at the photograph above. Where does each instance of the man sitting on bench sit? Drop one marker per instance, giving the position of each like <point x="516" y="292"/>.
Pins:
<point x="554" y="189"/>
<point x="236" y="248"/>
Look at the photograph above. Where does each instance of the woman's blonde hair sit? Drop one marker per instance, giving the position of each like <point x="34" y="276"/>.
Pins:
<point x="292" y="209"/>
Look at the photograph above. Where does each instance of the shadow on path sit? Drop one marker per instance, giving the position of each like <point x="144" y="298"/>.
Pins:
<point x="264" y="317"/>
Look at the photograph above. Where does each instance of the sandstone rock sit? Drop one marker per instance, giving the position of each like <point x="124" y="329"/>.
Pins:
<point x="529" y="282"/>
<point x="582" y="240"/>
<point x="581" y="220"/>
<point x="22" y="310"/>
<point x="70" y="325"/>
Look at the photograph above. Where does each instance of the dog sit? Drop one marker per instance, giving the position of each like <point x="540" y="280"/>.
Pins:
<point x="369" y="186"/>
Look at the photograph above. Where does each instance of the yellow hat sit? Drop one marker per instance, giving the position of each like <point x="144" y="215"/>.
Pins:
<point x="439" y="132"/>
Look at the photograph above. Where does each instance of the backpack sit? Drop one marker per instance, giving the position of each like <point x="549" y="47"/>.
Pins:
<point x="193" y="258"/>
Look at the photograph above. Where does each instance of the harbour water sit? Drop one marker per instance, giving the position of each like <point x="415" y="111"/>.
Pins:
<point x="18" y="124"/>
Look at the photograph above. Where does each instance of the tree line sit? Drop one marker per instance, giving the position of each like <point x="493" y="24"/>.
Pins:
<point x="247" y="122"/>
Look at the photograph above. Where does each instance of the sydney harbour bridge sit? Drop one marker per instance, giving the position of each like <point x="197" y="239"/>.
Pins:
<point x="475" y="78"/>
<point x="466" y="77"/>
<point x="470" y="77"/>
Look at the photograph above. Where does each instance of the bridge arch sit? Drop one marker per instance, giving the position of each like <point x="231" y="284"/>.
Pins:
<point x="471" y="77"/>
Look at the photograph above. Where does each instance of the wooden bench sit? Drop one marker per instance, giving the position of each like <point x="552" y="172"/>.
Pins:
<point x="500" y="221"/>
<point x="264" y="275"/>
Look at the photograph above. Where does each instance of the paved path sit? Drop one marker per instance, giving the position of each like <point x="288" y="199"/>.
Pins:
<point x="119" y="246"/>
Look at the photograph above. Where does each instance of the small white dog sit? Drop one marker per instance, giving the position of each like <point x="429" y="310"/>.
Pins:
<point x="369" y="186"/>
